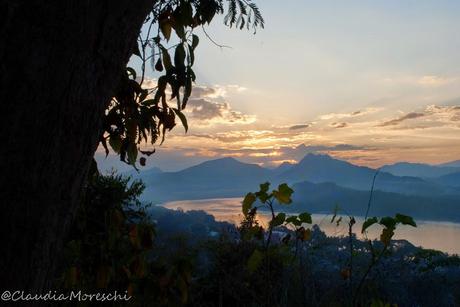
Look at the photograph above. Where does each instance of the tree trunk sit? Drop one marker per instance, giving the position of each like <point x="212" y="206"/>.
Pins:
<point x="60" y="63"/>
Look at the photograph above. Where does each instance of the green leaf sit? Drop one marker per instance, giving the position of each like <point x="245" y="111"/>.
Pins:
<point x="248" y="200"/>
<point x="255" y="260"/>
<point x="182" y="118"/>
<point x="278" y="220"/>
<point x="264" y="187"/>
<point x="262" y="194"/>
<point x="369" y="222"/>
<point x="283" y="194"/>
<point x="405" y="220"/>
<point x="305" y="218"/>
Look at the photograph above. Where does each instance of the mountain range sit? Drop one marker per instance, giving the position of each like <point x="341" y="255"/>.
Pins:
<point x="422" y="170"/>
<point x="320" y="182"/>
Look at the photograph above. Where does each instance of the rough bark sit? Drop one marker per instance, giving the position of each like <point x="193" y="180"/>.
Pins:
<point x="60" y="62"/>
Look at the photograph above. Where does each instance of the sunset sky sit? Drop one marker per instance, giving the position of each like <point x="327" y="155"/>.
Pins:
<point x="370" y="82"/>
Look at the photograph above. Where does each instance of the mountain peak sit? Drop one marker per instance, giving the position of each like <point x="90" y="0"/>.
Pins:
<point x="224" y="160"/>
<point x="316" y="157"/>
<point x="285" y="164"/>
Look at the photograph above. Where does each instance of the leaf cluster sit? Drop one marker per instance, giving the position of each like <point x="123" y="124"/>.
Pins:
<point x="249" y="227"/>
<point x="137" y="114"/>
<point x="389" y="225"/>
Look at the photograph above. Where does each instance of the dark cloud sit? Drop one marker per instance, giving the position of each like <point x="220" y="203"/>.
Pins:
<point x="348" y="115"/>
<point x="300" y="126"/>
<point x="339" y="125"/>
<point x="201" y="91"/>
<point x="321" y="148"/>
<point x="396" y="121"/>
<point x="205" y="110"/>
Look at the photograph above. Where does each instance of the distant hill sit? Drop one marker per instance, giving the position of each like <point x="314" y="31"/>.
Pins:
<point x="323" y="168"/>
<point x="452" y="180"/>
<point x="455" y="163"/>
<point x="226" y="177"/>
<point x="323" y="197"/>
<point x="421" y="170"/>
<point x="144" y="174"/>
<point x="283" y="167"/>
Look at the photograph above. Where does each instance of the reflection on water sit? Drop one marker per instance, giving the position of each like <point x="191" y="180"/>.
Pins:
<point x="444" y="236"/>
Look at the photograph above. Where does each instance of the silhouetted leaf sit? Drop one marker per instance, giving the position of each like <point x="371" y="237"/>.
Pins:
<point x="335" y="212"/>
<point x="179" y="56"/>
<point x="248" y="200"/>
<point x="195" y="41"/>
<point x="405" y="220"/>
<point x="262" y="194"/>
<point x="165" y="27"/>
<point x="388" y="222"/>
<point x="305" y="218"/>
<point x="131" y="72"/>
<point x="182" y="118"/>
<point x="136" y="50"/>
<point x="132" y="153"/>
<point x="294" y="220"/>
<point x="159" y="65"/>
<point x="115" y="142"/>
<point x="283" y="194"/>
<point x="278" y="220"/>
<point x="369" y="222"/>
<point x="166" y="58"/>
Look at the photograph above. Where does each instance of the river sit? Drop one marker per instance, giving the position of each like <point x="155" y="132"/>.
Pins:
<point x="444" y="236"/>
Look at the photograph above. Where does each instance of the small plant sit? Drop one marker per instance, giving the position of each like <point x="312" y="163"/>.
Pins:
<point x="263" y="199"/>
<point x="389" y="225"/>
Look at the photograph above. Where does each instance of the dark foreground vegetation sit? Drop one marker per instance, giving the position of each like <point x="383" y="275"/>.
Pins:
<point x="175" y="258"/>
